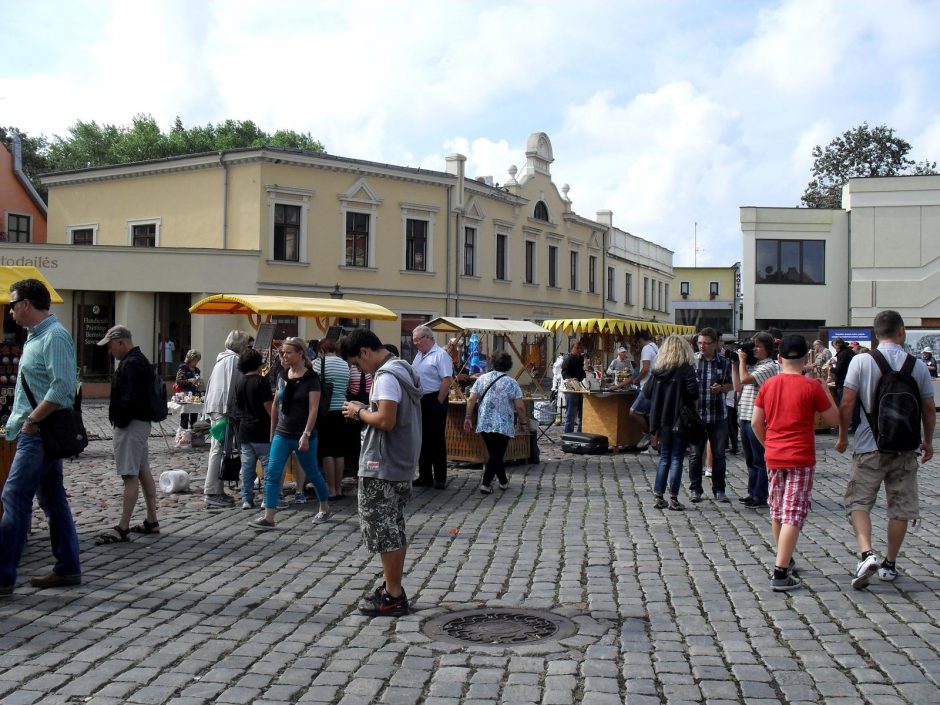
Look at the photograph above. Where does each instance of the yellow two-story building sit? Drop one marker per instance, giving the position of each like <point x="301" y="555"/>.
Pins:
<point x="139" y="243"/>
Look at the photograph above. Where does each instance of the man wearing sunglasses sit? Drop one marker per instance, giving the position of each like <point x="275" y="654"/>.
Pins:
<point x="48" y="366"/>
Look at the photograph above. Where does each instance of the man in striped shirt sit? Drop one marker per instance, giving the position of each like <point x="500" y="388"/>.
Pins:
<point x="714" y="381"/>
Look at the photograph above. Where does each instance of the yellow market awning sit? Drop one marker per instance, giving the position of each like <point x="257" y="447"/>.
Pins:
<point x="614" y="325"/>
<point x="265" y="305"/>
<point x="10" y="275"/>
<point x="485" y="325"/>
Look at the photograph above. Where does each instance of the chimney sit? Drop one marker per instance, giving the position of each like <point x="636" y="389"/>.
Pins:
<point x="606" y="217"/>
<point x="455" y="165"/>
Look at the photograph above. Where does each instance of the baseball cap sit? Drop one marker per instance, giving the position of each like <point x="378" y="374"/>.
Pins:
<point x="623" y="349"/>
<point x="928" y="349"/>
<point x="115" y="333"/>
<point x="793" y="347"/>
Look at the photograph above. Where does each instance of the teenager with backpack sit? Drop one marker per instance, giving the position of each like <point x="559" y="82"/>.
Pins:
<point x="896" y="396"/>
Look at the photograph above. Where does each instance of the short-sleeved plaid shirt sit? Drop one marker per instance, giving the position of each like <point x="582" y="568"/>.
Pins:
<point x="709" y="372"/>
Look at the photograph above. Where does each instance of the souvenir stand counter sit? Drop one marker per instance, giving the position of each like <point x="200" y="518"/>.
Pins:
<point x="607" y="401"/>
<point x="528" y="369"/>
<point x="11" y="347"/>
<point x="259" y="310"/>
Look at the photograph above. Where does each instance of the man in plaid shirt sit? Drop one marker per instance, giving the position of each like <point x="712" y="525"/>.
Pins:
<point x="714" y="380"/>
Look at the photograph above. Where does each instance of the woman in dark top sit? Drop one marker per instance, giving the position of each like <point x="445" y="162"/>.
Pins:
<point x="293" y="425"/>
<point x="673" y="383"/>
<point x="187" y="381"/>
<point x="253" y="401"/>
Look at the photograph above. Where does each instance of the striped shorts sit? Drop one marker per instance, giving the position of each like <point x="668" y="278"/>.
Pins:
<point x="790" y="490"/>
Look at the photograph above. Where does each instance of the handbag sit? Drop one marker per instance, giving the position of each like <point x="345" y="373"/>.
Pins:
<point x="63" y="431"/>
<point x="231" y="470"/>
<point x="326" y="394"/>
<point x="689" y="424"/>
<point x="476" y="409"/>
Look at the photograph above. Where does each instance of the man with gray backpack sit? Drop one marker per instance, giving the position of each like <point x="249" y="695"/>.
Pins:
<point x="896" y="395"/>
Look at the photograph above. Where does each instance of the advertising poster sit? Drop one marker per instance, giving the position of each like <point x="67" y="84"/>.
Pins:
<point x="862" y="336"/>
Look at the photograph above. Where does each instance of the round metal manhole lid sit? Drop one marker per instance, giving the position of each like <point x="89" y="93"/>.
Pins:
<point x="499" y="627"/>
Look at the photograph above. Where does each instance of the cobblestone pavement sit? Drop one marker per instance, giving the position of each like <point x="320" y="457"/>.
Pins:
<point x="669" y="607"/>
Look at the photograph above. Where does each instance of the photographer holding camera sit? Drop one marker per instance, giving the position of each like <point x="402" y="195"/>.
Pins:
<point x="755" y="365"/>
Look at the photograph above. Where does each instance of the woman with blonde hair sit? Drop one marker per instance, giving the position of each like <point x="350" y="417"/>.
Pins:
<point x="293" y="430"/>
<point x="672" y="386"/>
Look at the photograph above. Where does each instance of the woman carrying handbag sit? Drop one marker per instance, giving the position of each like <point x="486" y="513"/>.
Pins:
<point x="672" y="386"/>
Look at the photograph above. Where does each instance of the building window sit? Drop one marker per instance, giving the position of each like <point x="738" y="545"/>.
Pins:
<point x="791" y="262"/>
<point x="659" y="296"/>
<point x="357" y="239"/>
<point x="592" y="274"/>
<point x="469" y="251"/>
<point x="18" y="227"/>
<point x="529" y="262"/>
<point x="646" y="292"/>
<point x="553" y="266"/>
<point x="610" y="284"/>
<point x="713" y="289"/>
<point x="286" y="233"/>
<point x="83" y="235"/>
<point x="684" y="289"/>
<point x="541" y="211"/>
<point x="628" y="289"/>
<point x="573" y="283"/>
<point x="409" y="321"/>
<point x="666" y="299"/>
<point x="416" y="245"/>
<point x="144" y="235"/>
<point x="501" y="242"/>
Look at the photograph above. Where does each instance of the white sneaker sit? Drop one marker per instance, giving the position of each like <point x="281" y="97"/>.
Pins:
<point x="887" y="574"/>
<point x="866" y="568"/>
<point x="708" y="471"/>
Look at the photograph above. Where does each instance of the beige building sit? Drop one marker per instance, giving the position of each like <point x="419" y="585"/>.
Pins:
<point x="810" y="268"/>
<point x="138" y="243"/>
<point x="709" y="297"/>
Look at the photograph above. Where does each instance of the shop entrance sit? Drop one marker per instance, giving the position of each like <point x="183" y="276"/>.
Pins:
<point x="173" y="331"/>
<point x="92" y="315"/>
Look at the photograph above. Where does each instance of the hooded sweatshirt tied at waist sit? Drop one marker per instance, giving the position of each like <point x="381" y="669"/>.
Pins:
<point x="393" y="455"/>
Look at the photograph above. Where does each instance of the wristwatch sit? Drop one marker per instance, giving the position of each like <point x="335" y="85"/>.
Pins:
<point x="357" y="412"/>
<point x="31" y="421"/>
<point x="308" y="433"/>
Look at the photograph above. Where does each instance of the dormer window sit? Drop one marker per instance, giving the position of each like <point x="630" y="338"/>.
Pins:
<point x="541" y="211"/>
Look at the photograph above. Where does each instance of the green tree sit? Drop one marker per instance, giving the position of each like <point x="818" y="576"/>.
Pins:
<point x="861" y="151"/>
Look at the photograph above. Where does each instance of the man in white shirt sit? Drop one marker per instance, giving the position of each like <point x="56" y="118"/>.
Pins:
<point x="870" y="466"/>
<point x="641" y="406"/>
<point x="435" y="371"/>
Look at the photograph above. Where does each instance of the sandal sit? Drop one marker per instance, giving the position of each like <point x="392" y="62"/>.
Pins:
<point x="123" y="535"/>
<point x="146" y="527"/>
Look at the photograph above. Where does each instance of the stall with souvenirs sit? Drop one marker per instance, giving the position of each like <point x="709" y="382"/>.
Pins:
<point x="11" y="348"/>
<point x="608" y="390"/>
<point x="261" y="309"/>
<point x="472" y="342"/>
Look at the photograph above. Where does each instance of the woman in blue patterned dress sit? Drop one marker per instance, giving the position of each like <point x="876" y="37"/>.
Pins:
<point x="501" y="413"/>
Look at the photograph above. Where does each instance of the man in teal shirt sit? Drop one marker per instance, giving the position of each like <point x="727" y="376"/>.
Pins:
<point x="48" y="366"/>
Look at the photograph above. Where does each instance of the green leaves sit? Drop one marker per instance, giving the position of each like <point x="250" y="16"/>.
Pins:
<point x="861" y="151"/>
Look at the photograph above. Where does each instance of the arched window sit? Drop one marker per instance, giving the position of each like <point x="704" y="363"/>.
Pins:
<point x="541" y="211"/>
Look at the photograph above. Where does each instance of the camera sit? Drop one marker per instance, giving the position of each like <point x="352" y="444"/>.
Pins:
<point x="748" y="347"/>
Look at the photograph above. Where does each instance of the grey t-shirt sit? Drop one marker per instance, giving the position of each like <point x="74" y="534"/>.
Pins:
<point x="863" y="375"/>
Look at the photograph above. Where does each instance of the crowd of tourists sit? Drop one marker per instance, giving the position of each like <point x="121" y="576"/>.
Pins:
<point x="356" y="398"/>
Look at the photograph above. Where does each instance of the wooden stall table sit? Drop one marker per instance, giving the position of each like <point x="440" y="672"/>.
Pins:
<point x="7" y="449"/>
<point x="468" y="447"/>
<point x="608" y="414"/>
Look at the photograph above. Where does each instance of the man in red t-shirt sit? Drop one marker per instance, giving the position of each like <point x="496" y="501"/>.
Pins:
<point x="784" y="423"/>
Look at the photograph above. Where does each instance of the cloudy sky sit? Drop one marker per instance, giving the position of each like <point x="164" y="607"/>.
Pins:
<point x="667" y="112"/>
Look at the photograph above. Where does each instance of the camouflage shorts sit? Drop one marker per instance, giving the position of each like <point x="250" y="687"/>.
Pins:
<point x="382" y="513"/>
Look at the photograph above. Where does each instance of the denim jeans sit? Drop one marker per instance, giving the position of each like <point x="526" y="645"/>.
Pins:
<point x="757" y="487"/>
<point x="573" y="403"/>
<point x="671" y="457"/>
<point x="718" y="436"/>
<point x="31" y="475"/>
<point x="251" y="454"/>
<point x="281" y="448"/>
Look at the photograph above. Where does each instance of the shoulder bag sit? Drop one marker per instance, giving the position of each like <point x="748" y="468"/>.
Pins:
<point x="476" y="410"/>
<point x="326" y="394"/>
<point x="689" y="424"/>
<point x="63" y="431"/>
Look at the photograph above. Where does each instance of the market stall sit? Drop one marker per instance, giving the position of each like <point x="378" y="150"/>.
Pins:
<point x="606" y="408"/>
<point x="528" y="351"/>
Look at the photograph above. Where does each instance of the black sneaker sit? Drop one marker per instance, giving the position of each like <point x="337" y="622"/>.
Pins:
<point x="746" y="500"/>
<point x="381" y="604"/>
<point x="696" y="497"/>
<point x="791" y="582"/>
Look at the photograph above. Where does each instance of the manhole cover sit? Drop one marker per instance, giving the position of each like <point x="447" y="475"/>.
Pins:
<point x="501" y="627"/>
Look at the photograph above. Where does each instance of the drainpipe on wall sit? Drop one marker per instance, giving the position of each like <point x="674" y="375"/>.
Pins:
<point x="447" y="269"/>
<point x="455" y="165"/>
<point x="224" y="199"/>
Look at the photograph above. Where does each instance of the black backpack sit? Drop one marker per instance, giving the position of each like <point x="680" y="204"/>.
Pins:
<point x="895" y="416"/>
<point x="156" y="396"/>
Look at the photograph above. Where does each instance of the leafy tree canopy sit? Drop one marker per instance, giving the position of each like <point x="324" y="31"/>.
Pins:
<point x="89" y="144"/>
<point x="862" y="151"/>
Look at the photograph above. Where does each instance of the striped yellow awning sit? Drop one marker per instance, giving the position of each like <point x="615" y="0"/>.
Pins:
<point x="614" y="325"/>
<point x="11" y="275"/>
